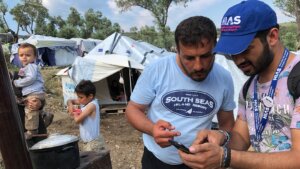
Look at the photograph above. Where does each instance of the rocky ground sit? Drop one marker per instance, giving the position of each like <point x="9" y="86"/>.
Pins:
<point x="123" y="141"/>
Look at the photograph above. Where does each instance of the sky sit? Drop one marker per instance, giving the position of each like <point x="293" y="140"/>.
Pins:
<point x="138" y="17"/>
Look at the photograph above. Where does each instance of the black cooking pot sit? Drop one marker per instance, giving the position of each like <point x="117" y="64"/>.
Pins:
<point x="56" y="152"/>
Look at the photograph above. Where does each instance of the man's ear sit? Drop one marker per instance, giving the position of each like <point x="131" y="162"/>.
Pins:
<point x="273" y="36"/>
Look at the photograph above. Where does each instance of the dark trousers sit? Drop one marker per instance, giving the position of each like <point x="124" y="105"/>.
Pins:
<point x="149" y="161"/>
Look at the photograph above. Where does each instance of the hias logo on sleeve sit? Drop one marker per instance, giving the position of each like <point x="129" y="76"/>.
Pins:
<point x="189" y="103"/>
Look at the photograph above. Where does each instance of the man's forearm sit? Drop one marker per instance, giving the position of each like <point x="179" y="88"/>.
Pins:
<point x="238" y="143"/>
<point x="140" y="122"/>
<point x="137" y="118"/>
<point x="279" y="160"/>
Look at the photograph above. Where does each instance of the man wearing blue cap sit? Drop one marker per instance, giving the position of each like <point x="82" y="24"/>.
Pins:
<point x="268" y="115"/>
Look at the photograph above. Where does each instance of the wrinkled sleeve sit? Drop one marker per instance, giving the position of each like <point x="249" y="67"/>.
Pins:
<point x="144" y="91"/>
<point x="30" y="76"/>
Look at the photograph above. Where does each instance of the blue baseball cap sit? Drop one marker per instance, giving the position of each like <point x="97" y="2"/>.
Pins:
<point x="240" y="24"/>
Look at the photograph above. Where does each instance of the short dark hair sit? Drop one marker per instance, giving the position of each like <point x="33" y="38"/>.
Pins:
<point x="85" y="87"/>
<point x="28" y="45"/>
<point x="262" y="35"/>
<point x="193" y="30"/>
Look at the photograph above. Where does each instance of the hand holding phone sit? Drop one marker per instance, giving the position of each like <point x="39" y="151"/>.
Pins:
<point x="180" y="146"/>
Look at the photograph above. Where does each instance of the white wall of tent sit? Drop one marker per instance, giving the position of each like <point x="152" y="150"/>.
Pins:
<point x="53" y="51"/>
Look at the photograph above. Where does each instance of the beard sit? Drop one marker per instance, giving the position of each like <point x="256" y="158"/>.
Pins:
<point x="264" y="60"/>
<point x="195" y="74"/>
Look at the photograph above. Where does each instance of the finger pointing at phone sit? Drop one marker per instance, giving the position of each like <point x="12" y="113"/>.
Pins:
<point x="163" y="131"/>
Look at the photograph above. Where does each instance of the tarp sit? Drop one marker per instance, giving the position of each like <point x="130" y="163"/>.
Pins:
<point x="98" y="67"/>
<point x="41" y="41"/>
<point x="95" y="68"/>
<point x="52" y="51"/>
<point x="84" y="46"/>
<point x="137" y="51"/>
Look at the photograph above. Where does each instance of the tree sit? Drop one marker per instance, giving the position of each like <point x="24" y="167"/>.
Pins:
<point x="92" y="20"/>
<point x="51" y="28"/>
<point x="158" y="8"/>
<point x="68" y="31"/>
<point x="28" y="13"/>
<point x="150" y="35"/>
<point x="291" y="8"/>
<point x="288" y="36"/>
<point x="3" y="10"/>
<point x="3" y="23"/>
<point x="59" y="21"/>
<point x="40" y="27"/>
<point x="74" y="18"/>
<point x="105" y="28"/>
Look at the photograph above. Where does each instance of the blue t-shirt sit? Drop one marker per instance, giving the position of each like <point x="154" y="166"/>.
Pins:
<point x="187" y="104"/>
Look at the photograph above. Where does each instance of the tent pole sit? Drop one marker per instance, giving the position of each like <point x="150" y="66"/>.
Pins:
<point x="129" y="72"/>
<point x="124" y="90"/>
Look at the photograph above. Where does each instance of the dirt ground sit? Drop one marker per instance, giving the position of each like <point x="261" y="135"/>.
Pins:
<point x="123" y="141"/>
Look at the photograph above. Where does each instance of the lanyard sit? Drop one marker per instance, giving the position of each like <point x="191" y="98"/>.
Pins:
<point x="267" y="100"/>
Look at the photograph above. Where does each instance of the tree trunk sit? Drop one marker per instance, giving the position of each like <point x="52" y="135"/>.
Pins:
<point x="12" y="142"/>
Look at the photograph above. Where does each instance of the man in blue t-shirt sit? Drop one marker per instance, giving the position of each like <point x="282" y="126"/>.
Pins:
<point x="181" y="95"/>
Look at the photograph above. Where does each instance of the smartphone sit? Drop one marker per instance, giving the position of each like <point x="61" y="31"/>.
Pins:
<point x="180" y="146"/>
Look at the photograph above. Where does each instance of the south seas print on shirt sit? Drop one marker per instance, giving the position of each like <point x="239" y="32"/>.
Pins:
<point x="194" y="104"/>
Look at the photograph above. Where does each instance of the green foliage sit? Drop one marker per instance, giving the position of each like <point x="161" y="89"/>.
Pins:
<point x="287" y="6"/>
<point x="6" y="52"/>
<point x="291" y="8"/>
<point x="59" y="21"/>
<point x="68" y="32"/>
<point x="93" y="24"/>
<point x="288" y="35"/>
<point x="159" y="10"/>
<point x="3" y="11"/>
<point x="51" y="29"/>
<point x="28" y="13"/>
<point x="150" y="35"/>
<point x="33" y="18"/>
<point x="290" y="41"/>
<point x="74" y="18"/>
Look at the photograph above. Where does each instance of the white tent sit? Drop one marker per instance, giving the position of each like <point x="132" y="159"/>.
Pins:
<point x="52" y="51"/>
<point x="84" y="46"/>
<point x="96" y="68"/>
<point x="140" y="52"/>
